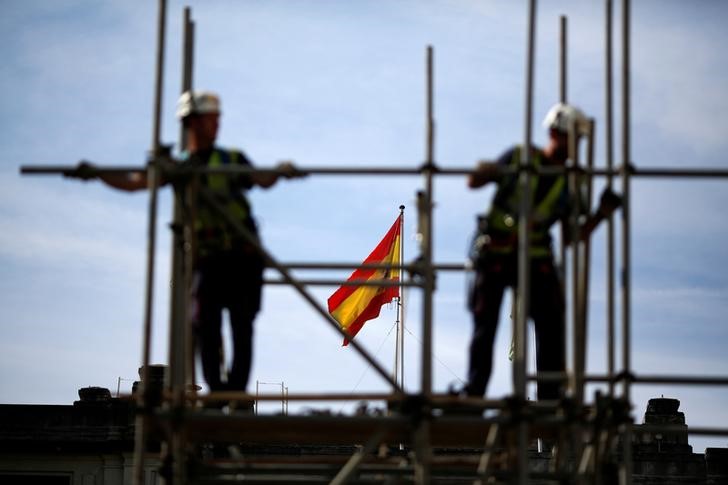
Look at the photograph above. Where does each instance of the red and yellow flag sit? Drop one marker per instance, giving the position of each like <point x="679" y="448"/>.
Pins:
<point x="352" y="306"/>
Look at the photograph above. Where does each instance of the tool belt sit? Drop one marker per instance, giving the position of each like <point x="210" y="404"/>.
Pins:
<point x="487" y="241"/>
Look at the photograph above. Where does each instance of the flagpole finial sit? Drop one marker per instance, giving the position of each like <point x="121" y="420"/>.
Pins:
<point x="401" y="207"/>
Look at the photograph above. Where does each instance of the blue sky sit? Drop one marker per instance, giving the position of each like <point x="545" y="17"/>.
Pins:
<point x="334" y="83"/>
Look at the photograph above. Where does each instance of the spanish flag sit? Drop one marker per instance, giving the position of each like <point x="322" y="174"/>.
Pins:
<point x="352" y="306"/>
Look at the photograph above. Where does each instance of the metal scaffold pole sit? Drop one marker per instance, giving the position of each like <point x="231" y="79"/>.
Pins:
<point x="524" y="263"/>
<point x="563" y="42"/>
<point x="427" y="235"/>
<point x="573" y="227"/>
<point x="563" y="38"/>
<point x="626" y="163"/>
<point x="626" y="255"/>
<point x="181" y="351"/>
<point x="422" y="433"/>
<point x="609" y="145"/>
<point x="153" y="177"/>
<point x="181" y="371"/>
<point x="586" y="260"/>
<point x="575" y="184"/>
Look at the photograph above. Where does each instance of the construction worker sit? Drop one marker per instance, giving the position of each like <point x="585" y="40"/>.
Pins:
<point x="227" y="268"/>
<point x="495" y="251"/>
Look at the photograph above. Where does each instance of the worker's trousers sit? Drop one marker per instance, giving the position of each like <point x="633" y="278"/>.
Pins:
<point x="495" y="273"/>
<point x="229" y="280"/>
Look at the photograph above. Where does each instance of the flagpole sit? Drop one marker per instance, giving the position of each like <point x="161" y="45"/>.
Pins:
<point x="395" y="374"/>
<point x="400" y="305"/>
<point x="399" y="319"/>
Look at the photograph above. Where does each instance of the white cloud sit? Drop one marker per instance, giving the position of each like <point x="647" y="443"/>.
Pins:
<point x="62" y="226"/>
<point x="679" y="86"/>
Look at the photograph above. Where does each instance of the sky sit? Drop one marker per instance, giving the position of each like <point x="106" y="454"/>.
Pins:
<point x="342" y="84"/>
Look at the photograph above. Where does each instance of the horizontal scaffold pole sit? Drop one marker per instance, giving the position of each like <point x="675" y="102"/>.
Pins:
<point x="656" y="172"/>
<point x="684" y="380"/>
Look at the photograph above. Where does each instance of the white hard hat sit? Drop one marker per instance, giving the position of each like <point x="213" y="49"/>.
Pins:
<point x="197" y="103"/>
<point x="562" y="117"/>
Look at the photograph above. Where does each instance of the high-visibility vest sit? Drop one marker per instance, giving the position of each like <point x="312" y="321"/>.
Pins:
<point x="502" y="220"/>
<point x="213" y="231"/>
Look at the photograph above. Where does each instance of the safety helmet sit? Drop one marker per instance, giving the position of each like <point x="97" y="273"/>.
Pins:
<point x="197" y="103"/>
<point x="562" y="117"/>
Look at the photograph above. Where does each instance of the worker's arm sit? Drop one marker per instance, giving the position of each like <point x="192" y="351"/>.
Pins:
<point x="608" y="203"/>
<point x="127" y="181"/>
<point x="268" y="179"/>
<point x="486" y="171"/>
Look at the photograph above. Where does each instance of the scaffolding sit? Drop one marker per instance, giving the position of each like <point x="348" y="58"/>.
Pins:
<point x="439" y="437"/>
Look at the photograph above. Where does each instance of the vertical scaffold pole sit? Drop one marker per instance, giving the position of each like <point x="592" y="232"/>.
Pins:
<point x="140" y="440"/>
<point x="185" y="254"/>
<point x="429" y="285"/>
<point x="575" y="186"/>
<point x="589" y="196"/>
<point x="524" y="180"/>
<point x="584" y="273"/>
<point x="188" y="56"/>
<point x="575" y="191"/>
<point x="576" y="376"/>
<point x="180" y="352"/>
<point x="562" y="58"/>
<point x="609" y="144"/>
<point x="563" y="38"/>
<point x="422" y="471"/>
<point x="626" y="268"/>
<point x="626" y="364"/>
<point x="524" y="264"/>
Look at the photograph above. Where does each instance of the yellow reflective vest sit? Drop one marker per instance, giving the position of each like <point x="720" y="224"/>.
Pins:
<point x="502" y="219"/>
<point x="213" y="232"/>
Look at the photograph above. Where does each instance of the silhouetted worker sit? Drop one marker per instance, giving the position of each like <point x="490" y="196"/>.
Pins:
<point x="495" y="251"/>
<point x="227" y="269"/>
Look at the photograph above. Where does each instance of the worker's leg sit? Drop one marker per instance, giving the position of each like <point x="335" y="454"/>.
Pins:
<point x="547" y="310"/>
<point x="490" y="282"/>
<point x="207" y="320"/>
<point x="243" y="304"/>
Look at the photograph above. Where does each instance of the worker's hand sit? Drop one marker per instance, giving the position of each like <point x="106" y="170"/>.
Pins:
<point x="487" y="168"/>
<point x="288" y="170"/>
<point x="485" y="171"/>
<point x="609" y="202"/>
<point x="84" y="171"/>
